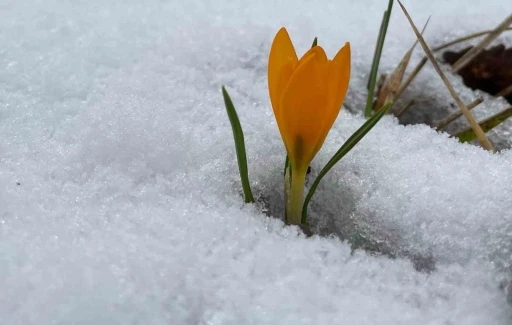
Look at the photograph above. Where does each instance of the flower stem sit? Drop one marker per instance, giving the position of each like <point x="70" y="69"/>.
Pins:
<point x="295" y="198"/>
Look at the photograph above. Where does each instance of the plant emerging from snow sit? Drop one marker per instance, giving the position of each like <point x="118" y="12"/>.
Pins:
<point x="306" y="95"/>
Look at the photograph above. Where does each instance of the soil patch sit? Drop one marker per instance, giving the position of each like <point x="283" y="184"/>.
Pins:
<point x="491" y="71"/>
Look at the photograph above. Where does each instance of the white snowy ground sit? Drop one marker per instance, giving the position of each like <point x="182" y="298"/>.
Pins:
<point x="120" y="198"/>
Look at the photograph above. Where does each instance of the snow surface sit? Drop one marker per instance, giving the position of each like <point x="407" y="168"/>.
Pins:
<point x="119" y="191"/>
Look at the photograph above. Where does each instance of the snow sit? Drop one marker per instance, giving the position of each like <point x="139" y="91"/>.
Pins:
<point x="120" y="200"/>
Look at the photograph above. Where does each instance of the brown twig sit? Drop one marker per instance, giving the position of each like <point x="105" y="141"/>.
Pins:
<point x="411" y="76"/>
<point x="505" y="92"/>
<point x="452" y="117"/>
<point x="405" y="108"/>
<point x="482" y="138"/>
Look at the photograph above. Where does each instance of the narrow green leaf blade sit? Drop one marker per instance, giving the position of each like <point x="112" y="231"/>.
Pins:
<point x="239" y="146"/>
<point x="286" y="163"/>
<point x="376" y="59"/>
<point x="315" y="42"/>
<point x="486" y="125"/>
<point x="345" y="148"/>
<point x="379" y="36"/>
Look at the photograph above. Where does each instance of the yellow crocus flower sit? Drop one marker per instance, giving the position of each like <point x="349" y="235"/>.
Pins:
<point x="306" y="96"/>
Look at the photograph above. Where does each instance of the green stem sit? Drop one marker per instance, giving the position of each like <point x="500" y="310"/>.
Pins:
<point x="376" y="58"/>
<point x="296" y="197"/>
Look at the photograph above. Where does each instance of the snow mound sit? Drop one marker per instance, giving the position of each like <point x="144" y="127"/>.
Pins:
<point x="120" y="200"/>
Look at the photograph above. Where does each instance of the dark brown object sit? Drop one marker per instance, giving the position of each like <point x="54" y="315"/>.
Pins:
<point x="490" y="71"/>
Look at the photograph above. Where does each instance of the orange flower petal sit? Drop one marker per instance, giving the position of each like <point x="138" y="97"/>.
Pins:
<point x="317" y="50"/>
<point x="343" y="55"/>
<point x="338" y="80"/>
<point x="342" y="60"/>
<point x="303" y="104"/>
<point x="281" y="61"/>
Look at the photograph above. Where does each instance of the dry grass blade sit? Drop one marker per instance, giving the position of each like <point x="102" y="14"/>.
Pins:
<point x="405" y="108"/>
<point x="471" y="54"/>
<point x="390" y="89"/>
<point x="424" y="60"/>
<point x="380" y="83"/>
<point x="452" y="117"/>
<point x="392" y="86"/>
<point x="505" y="92"/>
<point x="409" y="104"/>
<point x="463" y="39"/>
<point x="486" y="125"/>
<point x="411" y="76"/>
<point x="482" y="138"/>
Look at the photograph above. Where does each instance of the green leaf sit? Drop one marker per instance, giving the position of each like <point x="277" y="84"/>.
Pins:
<point x="239" y="146"/>
<point x="315" y="42"/>
<point x="376" y="59"/>
<point x="345" y="148"/>
<point x="286" y="163"/>
<point x="486" y="125"/>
